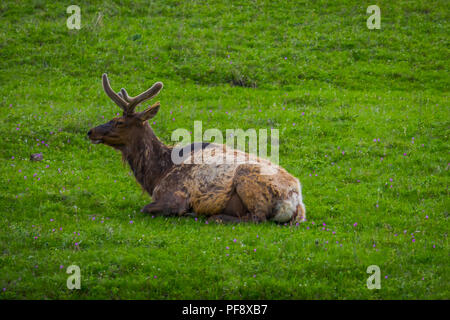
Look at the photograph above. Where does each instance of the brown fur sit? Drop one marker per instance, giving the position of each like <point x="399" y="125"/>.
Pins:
<point x="232" y="191"/>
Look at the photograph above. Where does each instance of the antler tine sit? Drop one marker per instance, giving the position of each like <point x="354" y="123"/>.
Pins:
<point x="123" y="93"/>
<point x="114" y="96"/>
<point x="148" y="94"/>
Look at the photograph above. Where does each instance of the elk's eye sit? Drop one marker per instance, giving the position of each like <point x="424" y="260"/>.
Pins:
<point x="120" y="122"/>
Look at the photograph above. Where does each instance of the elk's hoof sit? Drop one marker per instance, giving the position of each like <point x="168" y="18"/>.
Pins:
<point x="145" y="209"/>
<point x="190" y="214"/>
<point x="215" y="219"/>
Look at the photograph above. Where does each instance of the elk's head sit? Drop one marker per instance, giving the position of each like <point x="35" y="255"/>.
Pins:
<point x="120" y="131"/>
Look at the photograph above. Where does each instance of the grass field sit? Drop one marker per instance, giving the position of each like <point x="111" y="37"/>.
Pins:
<point x="363" y="117"/>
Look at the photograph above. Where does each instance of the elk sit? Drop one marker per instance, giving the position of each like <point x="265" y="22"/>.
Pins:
<point x="223" y="192"/>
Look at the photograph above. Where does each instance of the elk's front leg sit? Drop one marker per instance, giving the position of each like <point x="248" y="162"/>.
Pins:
<point x="175" y="204"/>
<point x="156" y="208"/>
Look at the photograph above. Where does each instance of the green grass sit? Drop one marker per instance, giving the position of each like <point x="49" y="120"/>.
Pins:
<point x="314" y="64"/>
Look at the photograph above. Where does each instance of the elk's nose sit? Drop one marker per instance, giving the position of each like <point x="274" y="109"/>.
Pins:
<point x="89" y="133"/>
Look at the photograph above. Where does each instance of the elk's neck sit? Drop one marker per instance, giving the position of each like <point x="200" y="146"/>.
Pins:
<point x="148" y="158"/>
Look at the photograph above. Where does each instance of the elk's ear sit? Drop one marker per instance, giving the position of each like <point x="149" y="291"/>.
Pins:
<point x="149" y="113"/>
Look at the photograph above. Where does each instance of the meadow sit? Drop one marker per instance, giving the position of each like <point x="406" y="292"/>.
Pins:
<point x="363" y="117"/>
